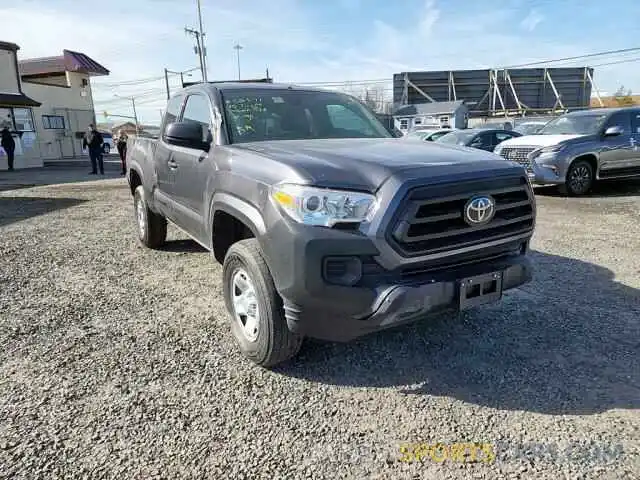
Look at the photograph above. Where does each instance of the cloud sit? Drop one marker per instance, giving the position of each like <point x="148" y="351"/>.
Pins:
<point x="298" y="41"/>
<point x="531" y="21"/>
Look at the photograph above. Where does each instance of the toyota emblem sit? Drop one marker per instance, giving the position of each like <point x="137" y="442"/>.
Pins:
<point x="479" y="210"/>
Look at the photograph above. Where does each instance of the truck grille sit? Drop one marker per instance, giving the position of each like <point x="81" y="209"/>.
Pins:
<point x="518" y="155"/>
<point x="431" y="219"/>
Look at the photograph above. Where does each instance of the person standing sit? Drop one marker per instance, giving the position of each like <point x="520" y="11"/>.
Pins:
<point x="122" y="150"/>
<point x="93" y="141"/>
<point x="9" y="145"/>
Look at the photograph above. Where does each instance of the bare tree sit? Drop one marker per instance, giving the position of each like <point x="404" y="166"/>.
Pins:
<point x="623" y="98"/>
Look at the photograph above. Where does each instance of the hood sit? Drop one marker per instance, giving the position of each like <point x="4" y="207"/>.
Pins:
<point x="538" y="140"/>
<point x="365" y="164"/>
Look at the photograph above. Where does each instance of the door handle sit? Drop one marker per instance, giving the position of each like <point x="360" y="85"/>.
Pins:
<point x="172" y="164"/>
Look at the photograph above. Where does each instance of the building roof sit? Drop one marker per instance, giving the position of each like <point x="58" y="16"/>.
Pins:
<point x="433" y="108"/>
<point x="8" y="46"/>
<point x="17" y="100"/>
<point x="67" y="62"/>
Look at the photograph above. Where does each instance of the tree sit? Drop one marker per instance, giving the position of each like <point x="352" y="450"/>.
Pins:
<point x="623" y="98"/>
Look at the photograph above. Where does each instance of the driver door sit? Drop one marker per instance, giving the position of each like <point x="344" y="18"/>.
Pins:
<point x="616" y="152"/>
<point x="193" y="167"/>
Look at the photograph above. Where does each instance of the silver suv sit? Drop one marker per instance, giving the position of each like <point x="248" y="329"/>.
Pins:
<point x="578" y="148"/>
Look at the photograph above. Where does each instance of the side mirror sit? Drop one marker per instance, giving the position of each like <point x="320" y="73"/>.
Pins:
<point x="613" y="131"/>
<point x="186" y="134"/>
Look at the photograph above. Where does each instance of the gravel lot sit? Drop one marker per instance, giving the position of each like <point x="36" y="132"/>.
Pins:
<point x="117" y="362"/>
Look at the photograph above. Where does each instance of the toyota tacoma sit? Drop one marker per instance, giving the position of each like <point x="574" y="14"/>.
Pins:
<point x="325" y="225"/>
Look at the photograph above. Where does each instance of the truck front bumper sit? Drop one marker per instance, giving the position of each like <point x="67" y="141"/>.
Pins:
<point x="319" y="308"/>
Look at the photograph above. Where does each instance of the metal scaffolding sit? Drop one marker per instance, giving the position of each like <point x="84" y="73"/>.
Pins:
<point x="501" y="92"/>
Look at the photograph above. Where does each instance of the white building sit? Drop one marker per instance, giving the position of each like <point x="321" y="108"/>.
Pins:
<point x="15" y="110"/>
<point x="46" y="103"/>
<point x="435" y="115"/>
<point x="63" y="87"/>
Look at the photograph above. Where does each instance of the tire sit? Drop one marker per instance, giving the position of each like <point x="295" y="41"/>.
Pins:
<point x="580" y="177"/>
<point x="271" y="342"/>
<point x="152" y="228"/>
<point x="106" y="149"/>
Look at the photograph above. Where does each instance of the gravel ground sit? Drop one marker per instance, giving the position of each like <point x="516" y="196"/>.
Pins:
<point x="117" y="362"/>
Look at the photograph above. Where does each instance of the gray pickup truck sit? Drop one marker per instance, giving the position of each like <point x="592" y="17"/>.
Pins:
<point x="326" y="225"/>
<point x="579" y="148"/>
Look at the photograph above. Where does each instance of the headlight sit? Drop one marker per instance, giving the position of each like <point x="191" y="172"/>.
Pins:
<point x="323" y="207"/>
<point x="549" y="151"/>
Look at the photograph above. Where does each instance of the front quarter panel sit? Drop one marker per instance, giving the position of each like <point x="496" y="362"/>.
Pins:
<point x="242" y="181"/>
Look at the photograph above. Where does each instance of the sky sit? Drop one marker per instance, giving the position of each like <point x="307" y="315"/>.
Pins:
<point x="312" y="41"/>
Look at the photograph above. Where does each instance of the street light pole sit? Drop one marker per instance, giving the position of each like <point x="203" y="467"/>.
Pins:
<point x="237" y="47"/>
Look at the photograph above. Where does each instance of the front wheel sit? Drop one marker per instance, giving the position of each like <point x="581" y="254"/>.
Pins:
<point x="152" y="228"/>
<point x="579" y="178"/>
<point x="257" y="315"/>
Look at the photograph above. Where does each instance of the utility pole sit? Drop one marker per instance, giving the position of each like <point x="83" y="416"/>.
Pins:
<point x="203" y="47"/>
<point x="133" y="105"/>
<point x="198" y="50"/>
<point x="166" y="78"/>
<point x="166" y="82"/>
<point x="237" y="47"/>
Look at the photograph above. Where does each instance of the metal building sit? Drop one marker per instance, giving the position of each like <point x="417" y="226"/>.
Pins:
<point x="499" y="92"/>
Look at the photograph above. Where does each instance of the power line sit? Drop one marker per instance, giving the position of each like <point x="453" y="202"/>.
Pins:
<point x="577" y="57"/>
<point x="629" y="60"/>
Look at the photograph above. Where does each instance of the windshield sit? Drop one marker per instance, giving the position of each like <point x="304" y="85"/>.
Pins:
<point x="272" y="114"/>
<point x="459" y="138"/>
<point x="421" y="135"/>
<point x="529" y="128"/>
<point x="574" y="125"/>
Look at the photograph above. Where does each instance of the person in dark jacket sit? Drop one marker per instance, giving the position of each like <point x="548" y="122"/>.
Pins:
<point x="9" y="146"/>
<point x="93" y="141"/>
<point x="122" y="150"/>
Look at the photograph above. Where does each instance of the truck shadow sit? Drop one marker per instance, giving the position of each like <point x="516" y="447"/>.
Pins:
<point x="183" y="246"/>
<point x="614" y="188"/>
<point x="15" y="209"/>
<point x="567" y="343"/>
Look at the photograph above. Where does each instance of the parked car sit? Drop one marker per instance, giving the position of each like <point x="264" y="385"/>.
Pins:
<point x="428" y="135"/>
<point x="325" y="225"/>
<point x="107" y="146"/>
<point x="578" y="148"/>
<point x="481" y="138"/>
<point x="529" y="128"/>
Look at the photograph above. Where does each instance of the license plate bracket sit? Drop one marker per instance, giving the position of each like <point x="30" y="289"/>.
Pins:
<point x="480" y="290"/>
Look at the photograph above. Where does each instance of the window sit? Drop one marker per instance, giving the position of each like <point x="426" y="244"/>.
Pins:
<point x="501" y="137"/>
<point x="417" y="121"/>
<point x="635" y="122"/>
<point x="620" y="119"/>
<point x="23" y="120"/>
<point x="482" y="141"/>
<point x="196" y="110"/>
<point x="344" y="118"/>
<point x="404" y="123"/>
<point x="575" y="124"/>
<point x="18" y="119"/>
<point x="173" y="110"/>
<point x="6" y="118"/>
<point x="53" y="122"/>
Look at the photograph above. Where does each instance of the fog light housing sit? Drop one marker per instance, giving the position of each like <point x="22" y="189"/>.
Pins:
<point x="345" y="271"/>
